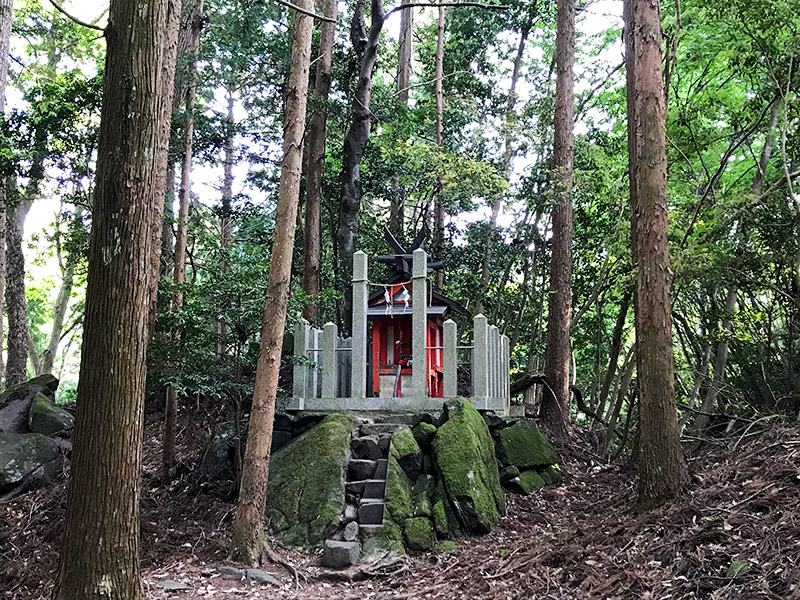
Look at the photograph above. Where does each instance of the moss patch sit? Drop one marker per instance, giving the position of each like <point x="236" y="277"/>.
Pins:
<point x="419" y="533"/>
<point x="406" y="451"/>
<point x="530" y="481"/>
<point x="305" y="494"/>
<point x="423" y="433"/>
<point x="445" y="547"/>
<point x="524" y="446"/>
<point x="465" y="455"/>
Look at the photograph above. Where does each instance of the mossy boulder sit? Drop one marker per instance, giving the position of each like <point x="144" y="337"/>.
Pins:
<point x="422" y="506"/>
<point x="47" y="418"/>
<point x="27" y="460"/>
<point x="530" y="481"/>
<point x="554" y="473"/>
<point x="419" y="533"/>
<point x="465" y="456"/>
<point x="439" y="515"/>
<point x="306" y="491"/>
<point x="397" y="509"/>
<point x="508" y="473"/>
<point x="16" y="401"/>
<point x="445" y="547"/>
<point x="424" y="433"/>
<point x="406" y="451"/>
<point x="524" y="446"/>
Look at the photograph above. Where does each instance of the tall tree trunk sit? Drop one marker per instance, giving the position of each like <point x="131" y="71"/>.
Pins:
<point x="248" y="524"/>
<point x="226" y="220"/>
<point x="194" y="28"/>
<point x="438" y="208"/>
<point x="662" y="469"/>
<point x="6" y="18"/>
<point x="555" y="400"/>
<point x="16" y="304"/>
<point x="629" y="364"/>
<point x="613" y="353"/>
<point x="317" y="127"/>
<point x="100" y="548"/>
<point x="354" y="145"/>
<point x="61" y="303"/>
<point x="508" y="154"/>
<point x="405" y="56"/>
<point x="694" y="394"/>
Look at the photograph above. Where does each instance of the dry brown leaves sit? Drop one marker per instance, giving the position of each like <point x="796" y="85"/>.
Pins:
<point x="734" y="533"/>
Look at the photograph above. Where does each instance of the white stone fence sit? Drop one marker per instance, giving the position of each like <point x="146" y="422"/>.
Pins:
<point x="330" y="372"/>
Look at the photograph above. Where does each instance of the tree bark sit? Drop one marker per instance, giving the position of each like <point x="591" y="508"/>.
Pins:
<point x="226" y="219"/>
<point x="438" y="208"/>
<point x="194" y="28"/>
<point x="662" y="469"/>
<point x="99" y="552"/>
<point x="248" y="525"/>
<point x="622" y="391"/>
<point x="317" y="131"/>
<point x="16" y="304"/>
<point x="6" y="19"/>
<point x="354" y="145"/>
<point x="61" y="304"/>
<point x="405" y="55"/>
<point x="556" y="400"/>
<point x="613" y="353"/>
<point x="508" y="154"/>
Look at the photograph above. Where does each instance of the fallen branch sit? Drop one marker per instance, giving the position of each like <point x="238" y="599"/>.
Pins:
<point x="520" y="384"/>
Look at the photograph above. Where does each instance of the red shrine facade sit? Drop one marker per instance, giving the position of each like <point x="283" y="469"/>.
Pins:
<point x="389" y="310"/>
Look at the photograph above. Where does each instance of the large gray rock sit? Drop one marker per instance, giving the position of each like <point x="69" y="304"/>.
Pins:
<point x="27" y="460"/>
<point x="464" y="452"/>
<point x="340" y="555"/>
<point x="15" y="402"/>
<point x="306" y="489"/>
<point x="47" y="418"/>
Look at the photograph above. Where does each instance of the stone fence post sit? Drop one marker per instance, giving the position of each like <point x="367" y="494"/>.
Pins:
<point x="419" y="306"/>
<point x="358" y="369"/>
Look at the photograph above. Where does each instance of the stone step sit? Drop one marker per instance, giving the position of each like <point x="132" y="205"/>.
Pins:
<point x="360" y="469"/>
<point x="374" y="488"/>
<point x="379" y="428"/>
<point x="380" y="469"/>
<point x="371" y="511"/>
<point x="366" y="447"/>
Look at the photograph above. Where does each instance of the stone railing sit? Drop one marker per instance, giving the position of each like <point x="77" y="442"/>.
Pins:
<point x="330" y="372"/>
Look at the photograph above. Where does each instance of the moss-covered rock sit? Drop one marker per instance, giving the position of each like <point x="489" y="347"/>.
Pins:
<point x="445" y="547"/>
<point x="439" y="515"/>
<point x="406" y="451"/>
<point x="548" y="480"/>
<point x="47" y="418"/>
<point x="397" y="509"/>
<point x="305" y="494"/>
<point x="465" y="456"/>
<point x="530" y="481"/>
<point x="422" y="506"/>
<point x="15" y="402"/>
<point x="26" y="461"/>
<point x="423" y="433"/>
<point x="419" y="534"/>
<point x="524" y="446"/>
<point x="508" y="473"/>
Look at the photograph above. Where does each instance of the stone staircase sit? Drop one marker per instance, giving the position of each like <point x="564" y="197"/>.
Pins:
<point x="364" y="492"/>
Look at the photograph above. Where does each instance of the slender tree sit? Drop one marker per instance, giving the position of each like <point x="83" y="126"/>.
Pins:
<point x="660" y="457"/>
<point x="355" y="143"/>
<point x="6" y="18"/>
<point x="193" y="28"/>
<point x="248" y="524"/>
<point x="405" y="56"/>
<point x="317" y="128"/>
<point x="555" y="398"/>
<point x="100" y="549"/>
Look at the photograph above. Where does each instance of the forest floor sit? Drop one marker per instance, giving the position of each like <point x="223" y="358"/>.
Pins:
<point x="734" y="533"/>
